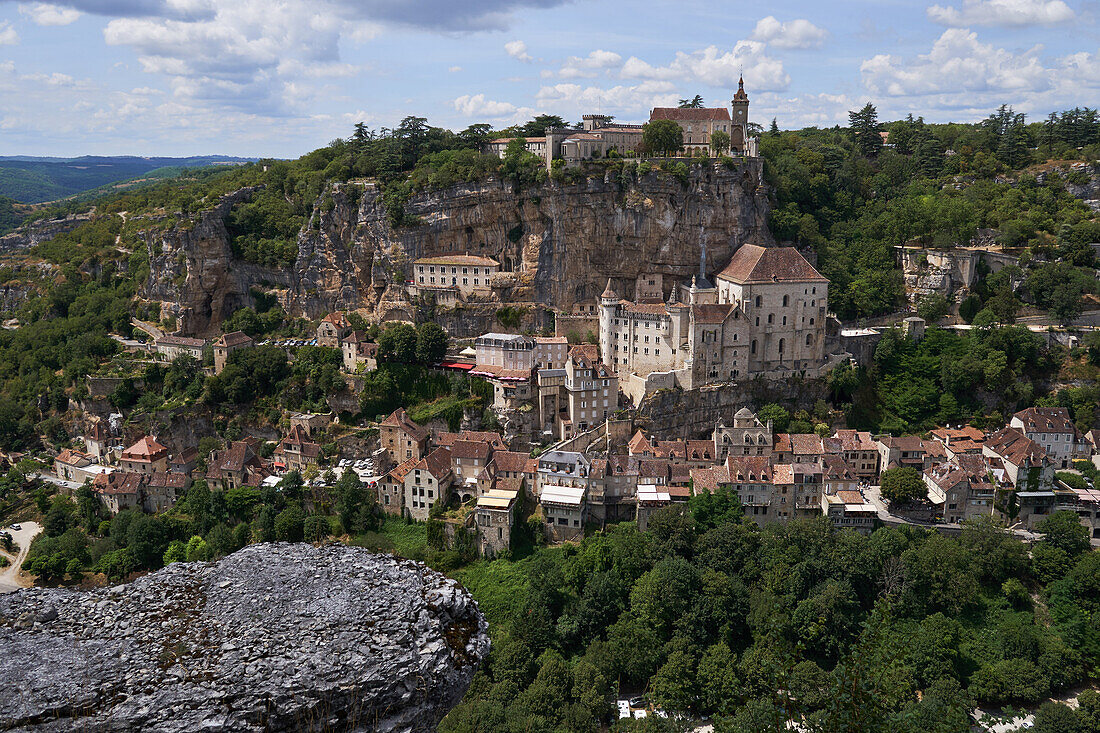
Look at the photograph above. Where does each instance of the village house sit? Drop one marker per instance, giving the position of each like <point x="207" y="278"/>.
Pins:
<point x="1053" y="429"/>
<point x="391" y="488"/>
<point x="358" y="352"/>
<point x="469" y="459"/>
<point x="162" y="490"/>
<point x="563" y="468"/>
<point x="296" y="451"/>
<point x="145" y="457"/>
<point x="237" y="465"/>
<point x="226" y="345"/>
<point x="965" y="486"/>
<point x="97" y="439"/>
<point x="859" y="451"/>
<point x="564" y="510"/>
<point x="494" y="517"/>
<point x="119" y="490"/>
<point x="169" y="347"/>
<point x="429" y="481"/>
<point x="331" y="329"/>
<point x="71" y="465"/>
<point x="849" y="509"/>
<point x="907" y="450"/>
<point x="183" y="462"/>
<point x="402" y="438"/>
<point x="700" y="123"/>
<point x="310" y="424"/>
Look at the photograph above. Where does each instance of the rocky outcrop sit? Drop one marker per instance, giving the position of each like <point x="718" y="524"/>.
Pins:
<point x="40" y="231"/>
<point x="559" y="241"/>
<point x="282" y="637"/>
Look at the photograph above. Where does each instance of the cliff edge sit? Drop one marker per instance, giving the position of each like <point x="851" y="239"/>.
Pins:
<point x="276" y="637"/>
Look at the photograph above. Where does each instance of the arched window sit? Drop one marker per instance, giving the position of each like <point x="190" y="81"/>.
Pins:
<point x="780" y="346"/>
<point x="815" y="291"/>
<point x="754" y="346"/>
<point x="784" y="320"/>
<point x="771" y="318"/>
<point x="786" y="300"/>
<point x="809" y="339"/>
<point x="759" y="301"/>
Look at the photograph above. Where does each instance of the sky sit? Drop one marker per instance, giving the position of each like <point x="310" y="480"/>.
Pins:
<point x="282" y="77"/>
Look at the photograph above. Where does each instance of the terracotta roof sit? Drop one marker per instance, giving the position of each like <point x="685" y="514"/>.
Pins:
<point x="236" y="338"/>
<point x="437" y="463"/>
<point x="73" y="457"/>
<point x="233" y="459"/>
<point x="907" y="443"/>
<point x="690" y="114"/>
<point x="950" y="434"/>
<point x="1016" y="448"/>
<point x="782" y="443"/>
<point x="653" y="468"/>
<point x="98" y="431"/>
<point x="751" y="469"/>
<point x="165" y="480"/>
<point x="712" y="312"/>
<point x="495" y="440"/>
<point x="754" y="264"/>
<point x="458" y="260"/>
<point x="551" y="340"/>
<point x="709" y="479"/>
<point x="118" y="483"/>
<point x="337" y="319"/>
<point x="1046" y="420"/>
<point x="649" y="309"/>
<point x="838" y="469"/>
<point x="146" y="449"/>
<point x="471" y="449"/>
<point x="849" y="496"/>
<point x="806" y="444"/>
<point x="639" y="444"/>
<point x="400" y="419"/>
<point x="512" y="461"/>
<point x="398" y="473"/>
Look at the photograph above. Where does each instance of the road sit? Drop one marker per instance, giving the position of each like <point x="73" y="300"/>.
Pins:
<point x="148" y="328"/>
<point x="10" y="580"/>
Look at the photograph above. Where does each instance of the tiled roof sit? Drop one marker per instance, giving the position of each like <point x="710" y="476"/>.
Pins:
<point x="754" y="264"/>
<point x="709" y="479"/>
<point x="782" y="443"/>
<point x="180" y="341"/>
<point x="400" y="419"/>
<point x="907" y="443"/>
<point x="838" y="469"/>
<point x="512" y="461"/>
<point x="118" y="483"/>
<point x="73" y="457"/>
<point x="783" y="473"/>
<point x="1016" y="448"/>
<point x="690" y="114"/>
<point x="806" y="444"/>
<point x="495" y="440"/>
<point x="652" y="309"/>
<point x="639" y="444"/>
<point x="437" y="463"/>
<point x="712" y="312"/>
<point x="852" y="440"/>
<point x="233" y="459"/>
<point x="399" y="472"/>
<point x="337" y="319"/>
<point x="1046" y="420"/>
<point x="235" y="338"/>
<point x="474" y="449"/>
<point x="161" y="479"/>
<point x="145" y="449"/>
<point x="653" y="468"/>
<point x="458" y="260"/>
<point x="750" y="469"/>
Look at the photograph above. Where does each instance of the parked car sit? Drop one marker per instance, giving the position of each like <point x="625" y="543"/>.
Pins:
<point x="17" y="527"/>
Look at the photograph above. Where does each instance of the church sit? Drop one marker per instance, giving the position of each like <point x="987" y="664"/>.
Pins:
<point x="764" y="316"/>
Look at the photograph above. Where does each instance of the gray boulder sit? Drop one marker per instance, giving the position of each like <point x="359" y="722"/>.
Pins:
<point x="276" y="637"/>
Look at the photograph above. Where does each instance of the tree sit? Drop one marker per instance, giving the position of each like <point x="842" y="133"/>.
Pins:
<point x="1064" y="531"/>
<point x="289" y="524"/>
<point x="662" y="137"/>
<point x="695" y="102"/>
<point x="397" y="343"/>
<point x="537" y="126"/>
<point x="316" y="528"/>
<point x="1053" y="717"/>
<point x="864" y="126"/>
<point x="719" y="142"/>
<point x="779" y="416"/>
<point x="933" y="307"/>
<point x="431" y="343"/>
<point x="902" y="485"/>
<point x="773" y="131"/>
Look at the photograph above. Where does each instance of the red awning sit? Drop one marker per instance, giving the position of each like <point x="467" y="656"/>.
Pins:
<point x="456" y="365"/>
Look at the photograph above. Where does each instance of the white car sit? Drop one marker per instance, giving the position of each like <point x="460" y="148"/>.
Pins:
<point x="17" y="527"/>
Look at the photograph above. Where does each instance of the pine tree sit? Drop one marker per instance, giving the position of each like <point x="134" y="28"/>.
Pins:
<point x="864" y="125"/>
<point x="774" y="129"/>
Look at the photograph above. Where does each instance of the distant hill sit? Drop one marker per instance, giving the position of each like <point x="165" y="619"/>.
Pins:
<point x="32" y="180"/>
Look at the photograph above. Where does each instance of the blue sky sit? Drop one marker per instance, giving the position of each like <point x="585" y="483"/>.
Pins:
<point x="280" y="77"/>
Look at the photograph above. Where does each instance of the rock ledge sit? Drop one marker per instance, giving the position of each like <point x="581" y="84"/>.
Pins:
<point x="274" y="637"/>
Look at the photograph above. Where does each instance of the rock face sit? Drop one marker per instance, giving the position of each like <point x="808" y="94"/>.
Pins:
<point x="40" y="231"/>
<point x="560" y="242"/>
<point x="277" y="637"/>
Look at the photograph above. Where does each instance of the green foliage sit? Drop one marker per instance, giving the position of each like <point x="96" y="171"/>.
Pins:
<point x="265" y="229"/>
<point x="662" y="137"/>
<point x="864" y="126"/>
<point x="902" y="485"/>
<point x="248" y="374"/>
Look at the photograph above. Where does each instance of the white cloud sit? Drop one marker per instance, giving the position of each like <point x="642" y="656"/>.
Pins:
<point x="47" y="14"/>
<point x="572" y="99"/>
<point x="714" y="67"/>
<point x="1002" y="13"/>
<point x="477" y="105"/>
<point x="518" y="50"/>
<point x="8" y="36"/>
<point x="576" y="67"/>
<point x="455" y="69"/>
<point x="798" y="33"/>
<point x="960" y="64"/>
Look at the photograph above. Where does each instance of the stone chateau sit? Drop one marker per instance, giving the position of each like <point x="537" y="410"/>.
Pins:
<point x="765" y="316"/>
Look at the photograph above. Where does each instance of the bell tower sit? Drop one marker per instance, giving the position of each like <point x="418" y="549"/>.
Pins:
<point x="739" y="114"/>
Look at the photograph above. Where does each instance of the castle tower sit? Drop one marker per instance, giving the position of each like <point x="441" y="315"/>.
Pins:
<point x="609" y="301"/>
<point x="739" y="113"/>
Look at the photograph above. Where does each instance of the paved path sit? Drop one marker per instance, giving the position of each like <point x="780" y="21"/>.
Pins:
<point x="148" y="328"/>
<point x="10" y="579"/>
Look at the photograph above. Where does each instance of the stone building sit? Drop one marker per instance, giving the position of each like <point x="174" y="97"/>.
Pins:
<point x="461" y="275"/>
<point x="1053" y="428"/>
<point x="850" y="509"/>
<point x="580" y="396"/>
<point x="766" y="316"/>
<point x="427" y="482"/>
<point x="236" y="465"/>
<point x="227" y="344"/>
<point x="698" y="124"/>
<point x="747" y="436"/>
<point x="296" y="451"/>
<point x="331" y="329"/>
<point x="356" y="349"/>
<point x="402" y="438"/>
<point x="145" y="457"/>
<point x="564" y="509"/>
<point x="494" y="517"/>
<point x="169" y="347"/>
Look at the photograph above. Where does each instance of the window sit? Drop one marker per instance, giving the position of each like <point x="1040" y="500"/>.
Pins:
<point x="786" y="300"/>
<point x="759" y="300"/>
<point x="771" y="318"/>
<point x="753" y="348"/>
<point x="809" y="339"/>
<point x="780" y="346"/>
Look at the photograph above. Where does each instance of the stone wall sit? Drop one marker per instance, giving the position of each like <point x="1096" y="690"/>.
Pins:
<point x="674" y="413"/>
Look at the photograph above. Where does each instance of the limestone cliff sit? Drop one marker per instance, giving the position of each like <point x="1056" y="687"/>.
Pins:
<point x="283" y="637"/>
<point x="560" y="242"/>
